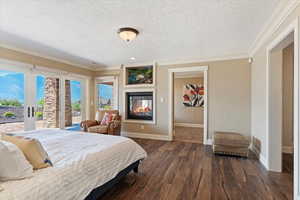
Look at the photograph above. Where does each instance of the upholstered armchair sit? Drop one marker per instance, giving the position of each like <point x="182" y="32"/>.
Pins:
<point x="113" y="127"/>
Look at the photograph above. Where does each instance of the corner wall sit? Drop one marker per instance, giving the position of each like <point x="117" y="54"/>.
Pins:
<point x="259" y="87"/>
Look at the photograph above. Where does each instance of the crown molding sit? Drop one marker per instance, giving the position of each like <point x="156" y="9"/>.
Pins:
<point x="280" y="14"/>
<point x="204" y="60"/>
<point x="179" y="62"/>
<point x="92" y="68"/>
<point x="103" y="69"/>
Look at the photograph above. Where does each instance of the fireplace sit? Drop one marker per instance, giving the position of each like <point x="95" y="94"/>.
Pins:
<point x="139" y="105"/>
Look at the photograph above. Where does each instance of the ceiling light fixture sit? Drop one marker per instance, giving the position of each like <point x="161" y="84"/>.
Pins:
<point x="128" y="34"/>
<point x="132" y="58"/>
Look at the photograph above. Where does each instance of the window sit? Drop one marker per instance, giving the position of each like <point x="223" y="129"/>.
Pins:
<point x="105" y="96"/>
<point x="107" y="93"/>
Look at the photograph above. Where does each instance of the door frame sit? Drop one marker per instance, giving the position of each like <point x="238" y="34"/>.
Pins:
<point x="26" y="69"/>
<point x="292" y="28"/>
<point x="171" y="72"/>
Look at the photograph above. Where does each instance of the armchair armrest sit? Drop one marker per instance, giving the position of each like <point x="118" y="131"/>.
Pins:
<point x="88" y="123"/>
<point x="114" y="127"/>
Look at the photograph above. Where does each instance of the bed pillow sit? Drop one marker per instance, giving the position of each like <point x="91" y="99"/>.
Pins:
<point x="13" y="164"/>
<point x="32" y="149"/>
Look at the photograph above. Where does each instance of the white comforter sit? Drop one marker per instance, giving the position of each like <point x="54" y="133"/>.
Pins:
<point x="82" y="162"/>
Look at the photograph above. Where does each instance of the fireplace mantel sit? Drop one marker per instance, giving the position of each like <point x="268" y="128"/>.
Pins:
<point x="143" y="91"/>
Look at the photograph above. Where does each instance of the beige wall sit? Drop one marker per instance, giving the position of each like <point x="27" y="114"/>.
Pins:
<point x="258" y="85"/>
<point x="44" y="62"/>
<point x="275" y="106"/>
<point x="228" y="97"/>
<point x="287" y="98"/>
<point x="183" y="114"/>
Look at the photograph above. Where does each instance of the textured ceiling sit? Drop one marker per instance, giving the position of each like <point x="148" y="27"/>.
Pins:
<point x="84" y="31"/>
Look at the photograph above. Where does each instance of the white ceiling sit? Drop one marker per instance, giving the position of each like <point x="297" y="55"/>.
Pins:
<point x="85" y="31"/>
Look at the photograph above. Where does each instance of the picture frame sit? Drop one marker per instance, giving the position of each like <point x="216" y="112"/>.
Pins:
<point x="139" y="75"/>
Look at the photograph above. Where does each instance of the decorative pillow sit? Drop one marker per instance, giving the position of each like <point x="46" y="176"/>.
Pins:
<point x="13" y="164"/>
<point x="32" y="149"/>
<point x="106" y="118"/>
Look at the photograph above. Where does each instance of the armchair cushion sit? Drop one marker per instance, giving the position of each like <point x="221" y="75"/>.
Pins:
<point x="98" y="129"/>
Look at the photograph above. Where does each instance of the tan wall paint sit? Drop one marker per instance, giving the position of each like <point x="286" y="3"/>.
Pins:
<point x="228" y="97"/>
<point x="258" y="85"/>
<point x="275" y="96"/>
<point x="287" y="98"/>
<point x="44" y="62"/>
<point x="183" y="114"/>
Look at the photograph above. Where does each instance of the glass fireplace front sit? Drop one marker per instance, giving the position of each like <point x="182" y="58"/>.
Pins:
<point x="140" y="105"/>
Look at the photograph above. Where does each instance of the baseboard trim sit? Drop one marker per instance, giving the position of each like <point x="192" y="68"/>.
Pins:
<point x="189" y="125"/>
<point x="287" y="149"/>
<point x="208" y="142"/>
<point x="146" y="136"/>
<point x="260" y="157"/>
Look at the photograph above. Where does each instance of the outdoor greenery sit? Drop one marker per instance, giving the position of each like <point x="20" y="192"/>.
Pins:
<point x="10" y="102"/>
<point x="9" y="114"/>
<point x="76" y="106"/>
<point x="106" y="107"/>
<point x="39" y="115"/>
<point x="41" y="102"/>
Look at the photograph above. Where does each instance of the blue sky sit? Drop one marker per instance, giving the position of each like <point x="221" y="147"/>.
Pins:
<point x="105" y="91"/>
<point x="12" y="87"/>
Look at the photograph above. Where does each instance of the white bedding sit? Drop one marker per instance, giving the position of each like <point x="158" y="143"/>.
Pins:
<point x="82" y="162"/>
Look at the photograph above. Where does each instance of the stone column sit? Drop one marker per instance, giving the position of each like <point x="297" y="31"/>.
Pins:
<point x="68" y="104"/>
<point x="51" y="104"/>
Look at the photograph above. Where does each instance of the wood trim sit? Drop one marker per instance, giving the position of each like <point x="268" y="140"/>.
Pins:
<point x="146" y="136"/>
<point x="287" y="149"/>
<point x="189" y="125"/>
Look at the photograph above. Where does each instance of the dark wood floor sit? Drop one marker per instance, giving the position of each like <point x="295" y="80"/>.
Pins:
<point x="188" y="134"/>
<point x="287" y="163"/>
<point x="184" y="171"/>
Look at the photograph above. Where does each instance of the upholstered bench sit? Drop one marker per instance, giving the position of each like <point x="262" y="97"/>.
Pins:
<point x="229" y="143"/>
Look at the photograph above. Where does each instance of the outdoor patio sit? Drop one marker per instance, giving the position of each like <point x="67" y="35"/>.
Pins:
<point x="40" y="124"/>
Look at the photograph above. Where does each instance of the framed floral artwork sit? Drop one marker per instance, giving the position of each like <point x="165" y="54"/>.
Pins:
<point x="193" y="95"/>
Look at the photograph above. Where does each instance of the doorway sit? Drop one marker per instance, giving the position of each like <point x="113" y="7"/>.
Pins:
<point x="188" y="98"/>
<point x="282" y="128"/>
<point x="188" y="104"/>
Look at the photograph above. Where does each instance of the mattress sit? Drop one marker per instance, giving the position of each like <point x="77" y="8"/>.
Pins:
<point x="82" y="162"/>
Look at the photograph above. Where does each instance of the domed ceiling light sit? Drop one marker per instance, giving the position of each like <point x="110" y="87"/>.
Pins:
<point x="128" y="34"/>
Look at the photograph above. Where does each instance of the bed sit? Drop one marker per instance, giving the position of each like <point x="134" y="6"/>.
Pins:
<point x="84" y="166"/>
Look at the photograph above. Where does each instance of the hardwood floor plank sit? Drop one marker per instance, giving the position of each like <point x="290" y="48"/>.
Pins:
<point x="188" y="171"/>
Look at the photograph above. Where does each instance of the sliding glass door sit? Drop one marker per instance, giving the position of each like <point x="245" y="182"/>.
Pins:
<point x="47" y="102"/>
<point x="12" y="101"/>
<point x="73" y="104"/>
<point x="36" y="99"/>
